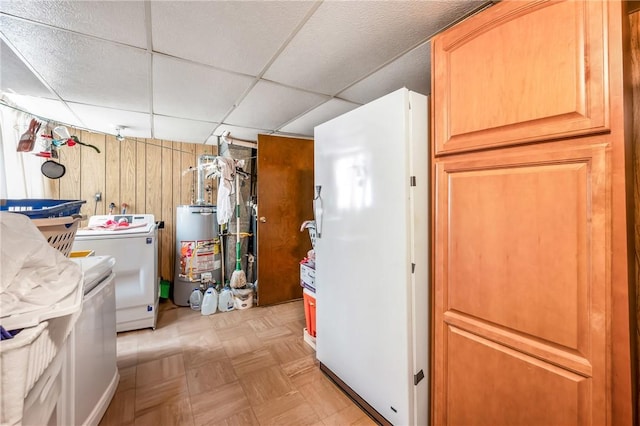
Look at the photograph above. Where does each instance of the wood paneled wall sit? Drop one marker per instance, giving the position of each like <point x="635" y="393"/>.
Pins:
<point x="635" y="73"/>
<point x="146" y="174"/>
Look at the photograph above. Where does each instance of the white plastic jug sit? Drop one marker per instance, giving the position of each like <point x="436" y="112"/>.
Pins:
<point x="225" y="300"/>
<point x="209" y="302"/>
<point x="195" y="300"/>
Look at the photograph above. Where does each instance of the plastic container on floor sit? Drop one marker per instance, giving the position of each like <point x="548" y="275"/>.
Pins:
<point x="242" y="298"/>
<point x="225" y="300"/>
<point x="195" y="300"/>
<point x="209" y="302"/>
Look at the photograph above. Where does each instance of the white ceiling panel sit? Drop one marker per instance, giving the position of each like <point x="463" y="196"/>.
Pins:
<point x="45" y="108"/>
<point x="252" y="66"/>
<point x="233" y="35"/>
<point x="345" y="41"/>
<point x="304" y="125"/>
<point x="134" y="124"/>
<point x="245" y="133"/>
<point x="185" y="89"/>
<point x="121" y="21"/>
<point x="412" y="70"/>
<point x="181" y="130"/>
<point x="82" y="69"/>
<point x="269" y="105"/>
<point x="15" y="77"/>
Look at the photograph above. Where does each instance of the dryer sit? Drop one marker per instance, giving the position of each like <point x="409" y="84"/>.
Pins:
<point x="135" y="249"/>
<point x="93" y="372"/>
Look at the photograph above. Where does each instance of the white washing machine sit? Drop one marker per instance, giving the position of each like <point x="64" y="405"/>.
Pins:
<point x="93" y="371"/>
<point x="135" y="249"/>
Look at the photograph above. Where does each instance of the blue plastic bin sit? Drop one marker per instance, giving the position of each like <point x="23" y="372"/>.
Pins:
<point x="42" y="208"/>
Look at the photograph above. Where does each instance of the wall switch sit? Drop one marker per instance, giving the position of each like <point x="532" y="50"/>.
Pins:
<point x="98" y="196"/>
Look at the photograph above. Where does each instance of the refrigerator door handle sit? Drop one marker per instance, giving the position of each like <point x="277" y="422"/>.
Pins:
<point x="317" y="211"/>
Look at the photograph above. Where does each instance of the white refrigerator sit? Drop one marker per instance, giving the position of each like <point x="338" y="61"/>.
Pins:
<point x="372" y="255"/>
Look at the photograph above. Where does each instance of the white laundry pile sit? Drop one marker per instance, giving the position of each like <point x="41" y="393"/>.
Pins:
<point x="33" y="273"/>
<point x="224" y="209"/>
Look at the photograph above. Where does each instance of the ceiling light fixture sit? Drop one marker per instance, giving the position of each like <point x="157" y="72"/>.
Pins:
<point x="119" y="136"/>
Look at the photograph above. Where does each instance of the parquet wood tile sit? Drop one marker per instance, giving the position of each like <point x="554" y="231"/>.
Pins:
<point x="164" y="392"/>
<point x="210" y="376"/>
<point x="351" y="415"/>
<point x="247" y="367"/>
<point x="127" y="379"/>
<point x="215" y="406"/>
<point x="266" y="384"/>
<point x="160" y="370"/>
<point x="121" y="410"/>
<point x="253" y="361"/>
<point x="173" y="413"/>
<point x="288" y="409"/>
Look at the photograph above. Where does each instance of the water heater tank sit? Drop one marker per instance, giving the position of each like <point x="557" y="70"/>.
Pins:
<point x="197" y="250"/>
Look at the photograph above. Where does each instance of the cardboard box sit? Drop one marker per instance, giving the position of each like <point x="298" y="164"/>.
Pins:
<point x="307" y="277"/>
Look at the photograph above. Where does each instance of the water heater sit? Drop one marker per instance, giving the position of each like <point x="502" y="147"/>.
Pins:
<point x="198" y="257"/>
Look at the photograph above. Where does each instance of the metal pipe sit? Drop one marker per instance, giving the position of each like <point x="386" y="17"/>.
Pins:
<point x="200" y="179"/>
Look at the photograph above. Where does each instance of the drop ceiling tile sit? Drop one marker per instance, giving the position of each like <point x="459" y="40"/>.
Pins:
<point x="245" y="133"/>
<point x="105" y="120"/>
<point x="15" y="77"/>
<point x="81" y="69"/>
<point x="181" y="130"/>
<point x="345" y="41"/>
<point x="412" y="70"/>
<point x="186" y="89"/>
<point x="269" y="105"/>
<point x="47" y="109"/>
<point x="121" y="21"/>
<point x="233" y="35"/>
<point x="304" y="125"/>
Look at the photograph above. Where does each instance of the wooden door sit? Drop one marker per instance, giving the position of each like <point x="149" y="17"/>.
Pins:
<point x="532" y="294"/>
<point x="285" y="200"/>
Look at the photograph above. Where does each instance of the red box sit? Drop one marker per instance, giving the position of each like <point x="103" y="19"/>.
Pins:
<point x="310" y="311"/>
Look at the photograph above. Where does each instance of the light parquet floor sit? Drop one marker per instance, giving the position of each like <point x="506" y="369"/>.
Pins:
<point x="247" y="367"/>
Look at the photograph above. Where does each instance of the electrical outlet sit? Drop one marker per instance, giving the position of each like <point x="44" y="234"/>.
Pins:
<point x="98" y="196"/>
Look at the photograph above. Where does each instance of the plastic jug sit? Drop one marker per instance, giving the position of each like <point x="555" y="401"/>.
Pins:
<point x="225" y="300"/>
<point x="195" y="300"/>
<point x="209" y="302"/>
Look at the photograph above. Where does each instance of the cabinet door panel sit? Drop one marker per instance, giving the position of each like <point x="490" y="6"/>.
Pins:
<point x="547" y="85"/>
<point x="511" y="388"/>
<point x="521" y="271"/>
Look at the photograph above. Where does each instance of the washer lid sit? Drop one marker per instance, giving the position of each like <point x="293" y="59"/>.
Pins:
<point x="107" y="225"/>
<point x="94" y="269"/>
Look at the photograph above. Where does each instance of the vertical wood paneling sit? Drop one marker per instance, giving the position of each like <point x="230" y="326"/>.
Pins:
<point x="147" y="174"/>
<point x="141" y="173"/>
<point x="187" y="159"/>
<point x="92" y="173"/>
<point x="111" y="192"/>
<point x="176" y="167"/>
<point x="209" y="196"/>
<point x="70" y="158"/>
<point x="127" y="173"/>
<point x="167" y="208"/>
<point x="153" y="180"/>
<point x="51" y="186"/>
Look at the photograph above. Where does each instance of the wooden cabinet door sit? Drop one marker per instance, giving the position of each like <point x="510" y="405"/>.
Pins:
<point x="531" y="191"/>
<point x="524" y="71"/>
<point x="520" y="287"/>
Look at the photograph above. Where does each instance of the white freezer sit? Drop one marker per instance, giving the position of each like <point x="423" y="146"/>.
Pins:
<point x="372" y="259"/>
